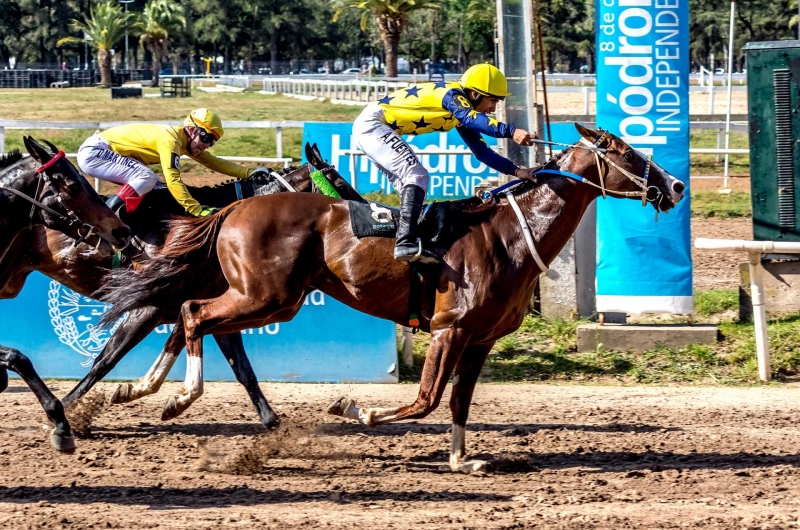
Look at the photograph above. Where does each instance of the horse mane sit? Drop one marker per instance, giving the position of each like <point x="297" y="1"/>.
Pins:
<point x="11" y="158"/>
<point x="257" y="179"/>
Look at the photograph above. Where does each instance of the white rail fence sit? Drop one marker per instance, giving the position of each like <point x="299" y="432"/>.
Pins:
<point x="362" y="91"/>
<point x="279" y="126"/>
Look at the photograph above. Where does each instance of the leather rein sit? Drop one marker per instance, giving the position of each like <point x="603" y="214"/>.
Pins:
<point x="71" y="218"/>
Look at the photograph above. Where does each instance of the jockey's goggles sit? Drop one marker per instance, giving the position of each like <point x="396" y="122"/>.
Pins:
<point x="205" y="136"/>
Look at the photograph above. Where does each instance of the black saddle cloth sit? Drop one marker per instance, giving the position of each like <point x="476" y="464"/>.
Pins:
<point x="373" y="219"/>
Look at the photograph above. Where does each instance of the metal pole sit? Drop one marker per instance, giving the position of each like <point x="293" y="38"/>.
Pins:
<point x="127" y="63"/>
<point x="279" y="141"/>
<point x="759" y="316"/>
<point x="127" y="67"/>
<point x="730" y="86"/>
<point x="2" y="140"/>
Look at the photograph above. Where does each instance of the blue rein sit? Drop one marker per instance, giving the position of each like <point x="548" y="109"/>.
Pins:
<point x="514" y="183"/>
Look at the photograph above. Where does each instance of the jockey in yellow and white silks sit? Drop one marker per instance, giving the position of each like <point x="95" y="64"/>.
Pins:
<point x="434" y="107"/>
<point x="121" y="155"/>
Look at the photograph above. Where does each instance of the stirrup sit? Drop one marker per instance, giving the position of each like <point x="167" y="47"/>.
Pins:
<point x="419" y="251"/>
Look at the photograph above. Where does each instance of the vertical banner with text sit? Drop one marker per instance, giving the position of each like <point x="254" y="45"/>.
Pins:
<point x="643" y="97"/>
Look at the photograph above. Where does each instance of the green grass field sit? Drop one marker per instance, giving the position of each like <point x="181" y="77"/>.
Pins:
<point x="95" y="105"/>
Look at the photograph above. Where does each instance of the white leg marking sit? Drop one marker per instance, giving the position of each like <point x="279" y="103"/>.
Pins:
<point x="192" y="389"/>
<point x="376" y="416"/>
<point x="194" y="378"/>
<point x="155" y="376"/>
<point x="458" y="451"/>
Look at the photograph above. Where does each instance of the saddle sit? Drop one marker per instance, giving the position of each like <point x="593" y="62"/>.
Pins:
<point x="373" y="219"/>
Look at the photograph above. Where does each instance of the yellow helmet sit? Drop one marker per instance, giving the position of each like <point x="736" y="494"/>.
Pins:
<point x="485" y="79"/>
<point x="205" y="119"/>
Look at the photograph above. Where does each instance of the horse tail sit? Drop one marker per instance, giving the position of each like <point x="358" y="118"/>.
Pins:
<point x="187" y="251"/>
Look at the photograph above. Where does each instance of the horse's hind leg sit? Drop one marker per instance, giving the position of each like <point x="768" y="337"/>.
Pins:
<point x="61" y="436"/>
<point x="232" y="348"/>
<point x="155" y="376"/>
<point x="443" y="353"/>
<point x="230" y="312"/>
<point x="130" y="333"/>
<point x="466" y="375"/>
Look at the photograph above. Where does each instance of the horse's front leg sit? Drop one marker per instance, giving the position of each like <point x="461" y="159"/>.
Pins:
<point x="61" y="435"/>
<point x="443" y="354"/>
<point x="466" y="375"/>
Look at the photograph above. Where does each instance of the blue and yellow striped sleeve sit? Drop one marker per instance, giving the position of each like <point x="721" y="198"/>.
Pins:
<point x="456" y="102"/>
<point x="485" y="154"/>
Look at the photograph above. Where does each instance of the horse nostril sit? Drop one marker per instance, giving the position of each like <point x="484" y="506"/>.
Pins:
<point x="678" y="187"/>
<point x="123" y="233"/>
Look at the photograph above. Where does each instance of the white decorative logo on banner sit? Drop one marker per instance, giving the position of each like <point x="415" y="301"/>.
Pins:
<point x="74" y="318"/>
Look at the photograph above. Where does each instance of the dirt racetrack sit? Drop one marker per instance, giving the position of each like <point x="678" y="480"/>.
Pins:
<point x="564" y="457"/>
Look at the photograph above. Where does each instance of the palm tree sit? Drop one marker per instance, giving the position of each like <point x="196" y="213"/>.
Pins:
<point x="106" y="25"/>
<point x="391" y="17"/>
<point x="160" y="20"/>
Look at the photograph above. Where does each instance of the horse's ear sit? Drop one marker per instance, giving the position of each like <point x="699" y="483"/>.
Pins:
<point x="318" y="154"/>
<point x="589" y="134"/>
<point x="53" y="148"/>
<point x="38" y="152"/>
<point x="309" y="153"/>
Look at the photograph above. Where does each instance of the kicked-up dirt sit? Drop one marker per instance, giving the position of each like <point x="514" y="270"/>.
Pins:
<point x="562" y="456"/>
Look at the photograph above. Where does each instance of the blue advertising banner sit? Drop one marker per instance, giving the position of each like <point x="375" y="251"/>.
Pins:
<point x="452" y="176"/>
<point x="326" y="342"/>
<point x="643" y="97"/>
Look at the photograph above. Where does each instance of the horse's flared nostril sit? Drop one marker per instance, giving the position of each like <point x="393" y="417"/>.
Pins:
<point x="678" y="187"/>
<point x="122" y="233"/>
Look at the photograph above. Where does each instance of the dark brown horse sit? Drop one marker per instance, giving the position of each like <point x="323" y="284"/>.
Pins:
<point x="271" y="251"/>
<point x="49" y="252"/>
<point x="47" y="189"/>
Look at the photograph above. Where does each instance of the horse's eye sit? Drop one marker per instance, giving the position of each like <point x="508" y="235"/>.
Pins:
<point x="628" y="156"/>
<point x="74" y="187"/>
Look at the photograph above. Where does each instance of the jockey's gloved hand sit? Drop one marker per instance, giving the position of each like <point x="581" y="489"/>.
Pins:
<point x="260" y="172"/>
<point x="207" y="210"/>
<point x="525" y="173"/>
<point x="523" y="137"/>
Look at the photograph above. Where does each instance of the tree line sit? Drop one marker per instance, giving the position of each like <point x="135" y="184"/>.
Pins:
<point x="403" y="34"/>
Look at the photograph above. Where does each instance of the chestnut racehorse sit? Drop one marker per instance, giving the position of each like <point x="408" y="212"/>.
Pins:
<point x="270" y="251"/>
<point x="50" y="253"/>
<point x="47" y="189"/>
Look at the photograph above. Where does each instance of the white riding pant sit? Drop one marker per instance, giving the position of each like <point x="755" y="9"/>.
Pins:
<point x="388" y="150"/>
<point x="96" y="159"/>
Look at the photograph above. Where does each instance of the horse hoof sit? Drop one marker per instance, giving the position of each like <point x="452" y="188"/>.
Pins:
<point x="122" y="394"/>
<point x="472" y="466"/>
<point x="341" y="406"/>
<point x="170" y="409"/>
<point x="269" y="419"/>
<point x="62" y="444"/>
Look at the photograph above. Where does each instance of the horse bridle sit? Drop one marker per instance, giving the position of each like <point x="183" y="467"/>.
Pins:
<point x="600" y="153"/>
<point x="71" y="218"/>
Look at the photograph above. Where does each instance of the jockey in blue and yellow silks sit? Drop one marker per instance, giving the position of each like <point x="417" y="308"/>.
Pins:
<point x="434" y="107"/>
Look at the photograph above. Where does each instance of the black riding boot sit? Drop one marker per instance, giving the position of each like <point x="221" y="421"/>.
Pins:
<point x="408" y="246"/>
<point x="116" y="203"/>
